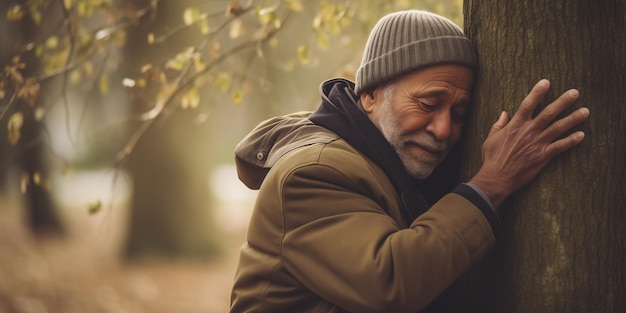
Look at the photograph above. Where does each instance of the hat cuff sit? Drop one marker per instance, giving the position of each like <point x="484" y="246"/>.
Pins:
<point x="415" y="55"/>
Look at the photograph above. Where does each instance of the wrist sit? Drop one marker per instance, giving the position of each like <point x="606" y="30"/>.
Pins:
<point x="493" y="189"/>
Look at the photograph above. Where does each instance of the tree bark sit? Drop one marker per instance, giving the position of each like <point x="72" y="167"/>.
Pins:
<point x="563" y="242"/>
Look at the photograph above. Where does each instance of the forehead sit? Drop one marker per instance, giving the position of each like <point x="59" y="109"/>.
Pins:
<point x="447" y="75"/>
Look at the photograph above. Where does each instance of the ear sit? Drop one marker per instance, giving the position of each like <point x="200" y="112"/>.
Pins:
<point x="371" y="99"/>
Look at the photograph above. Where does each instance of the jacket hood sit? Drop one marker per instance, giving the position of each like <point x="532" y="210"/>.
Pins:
<point x="271" y="139"/>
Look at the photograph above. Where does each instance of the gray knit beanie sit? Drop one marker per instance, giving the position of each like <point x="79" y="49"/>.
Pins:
<point x="407" y="40"/>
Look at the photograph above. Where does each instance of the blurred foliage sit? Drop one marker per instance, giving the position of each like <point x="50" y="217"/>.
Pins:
<point x="78" y="45"/>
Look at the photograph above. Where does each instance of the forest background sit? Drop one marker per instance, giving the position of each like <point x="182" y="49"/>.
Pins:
<point x="119" y="121"/>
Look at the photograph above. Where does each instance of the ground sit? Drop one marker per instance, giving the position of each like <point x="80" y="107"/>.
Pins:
<point x="83" y="272"/>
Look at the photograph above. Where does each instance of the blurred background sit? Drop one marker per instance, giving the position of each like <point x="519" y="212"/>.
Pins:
<point x="118" y="191"/>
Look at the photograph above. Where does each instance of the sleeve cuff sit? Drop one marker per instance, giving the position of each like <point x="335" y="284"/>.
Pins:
<point x="476" y="197"/>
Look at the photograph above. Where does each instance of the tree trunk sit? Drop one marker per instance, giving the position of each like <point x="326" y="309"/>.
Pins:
<point x="29" y="152"/>
<point x="170" y="206"/>
<point x="563" y="242"/>
<point x="170" y="214"/>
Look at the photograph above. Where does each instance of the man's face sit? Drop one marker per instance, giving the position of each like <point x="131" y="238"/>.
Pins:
<point x="422" y="114"/>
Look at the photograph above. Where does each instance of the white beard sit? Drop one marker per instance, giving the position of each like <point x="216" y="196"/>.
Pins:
<point x="417" y="165"/>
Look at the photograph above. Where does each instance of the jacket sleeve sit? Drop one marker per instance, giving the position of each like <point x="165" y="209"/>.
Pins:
<point x="340" y="243"/>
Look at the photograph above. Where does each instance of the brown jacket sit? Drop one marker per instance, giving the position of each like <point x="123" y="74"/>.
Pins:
<point x="327" y="233"/>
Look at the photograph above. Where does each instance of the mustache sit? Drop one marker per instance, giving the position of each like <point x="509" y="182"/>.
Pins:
<point x="428" y="142"/>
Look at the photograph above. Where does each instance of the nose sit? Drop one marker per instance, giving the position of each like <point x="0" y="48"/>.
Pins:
<point x="440" y="126"/>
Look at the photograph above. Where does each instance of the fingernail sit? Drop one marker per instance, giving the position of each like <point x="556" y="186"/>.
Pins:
<point x="585" y="111"/>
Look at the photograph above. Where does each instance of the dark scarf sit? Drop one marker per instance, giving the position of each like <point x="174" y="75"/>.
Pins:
<point x="340" y="112"/>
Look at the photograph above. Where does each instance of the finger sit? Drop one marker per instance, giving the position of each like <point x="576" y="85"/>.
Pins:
<point x="528" y="105"/>
<point x="564" y="144"/>
<point x="550" y="112"/>
<point x="503" y="119"/>
<point x="563" y="125"/>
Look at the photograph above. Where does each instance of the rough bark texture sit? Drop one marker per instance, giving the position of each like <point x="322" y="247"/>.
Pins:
<point x="563" y="244"/>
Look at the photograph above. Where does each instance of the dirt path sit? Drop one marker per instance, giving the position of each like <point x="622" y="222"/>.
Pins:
<point x="82" y="274"/>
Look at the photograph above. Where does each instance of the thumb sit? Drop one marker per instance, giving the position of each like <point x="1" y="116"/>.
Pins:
<point x="500" y="123"/>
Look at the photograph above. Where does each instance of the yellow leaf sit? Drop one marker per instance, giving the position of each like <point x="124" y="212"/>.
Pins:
<point x="191" y="15"/>
<point x="199" y="65"/>
<point x="104" y="84"/>
<point x="81" y="8"/>
<point x="295" y="5"/>
<point x="14" y="127"/>
<point x="223" y="81"/>
<point x="176" y="63"/>
<point x="37" y="178"/>
<point x="40" y="113"/>
<point x="303" y="54"/>
<point x="323" y="40"/>
<point x="180" y="60"/>
<point x="95" y="207"/>
<point x="236" y="29"/>
<point x="52" y="42"/>
<point x="331" y="18"/>
<point x="68" y="4"/>
<point x="15" y="13"/>
<point x="24" y="182"/>
<point x="267" y="15"/>
<point x="84" y="9"/>
<point x="237" y="97"/>
<point x="204" y="27"/>
<point x="150" y="38"/>
<point x="146" y="68"/>
<point x="29" y="92"/>
<point x="191" y="99"/>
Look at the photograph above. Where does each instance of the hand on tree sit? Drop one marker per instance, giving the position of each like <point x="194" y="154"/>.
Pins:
<point x="517" y="149"/>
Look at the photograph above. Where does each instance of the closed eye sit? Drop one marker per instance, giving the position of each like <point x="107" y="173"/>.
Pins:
<point x="459" y="113"/>
<point x="428" y="106"/>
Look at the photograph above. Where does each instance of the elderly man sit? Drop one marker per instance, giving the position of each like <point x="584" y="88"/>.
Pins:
<point x="342" y="222"/>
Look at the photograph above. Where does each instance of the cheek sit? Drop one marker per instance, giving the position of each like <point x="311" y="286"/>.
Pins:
<point x="455" y="133"/>
<point x="410" y="123"/>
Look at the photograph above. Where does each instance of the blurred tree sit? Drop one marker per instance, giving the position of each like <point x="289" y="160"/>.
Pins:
<point x="169" y="164"/>
<point x="23" y="141"/>
<point x="563" y="244"/>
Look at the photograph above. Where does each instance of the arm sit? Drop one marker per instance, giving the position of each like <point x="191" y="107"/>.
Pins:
<point x="516" y="150"/>
<point x="341" y="245"/>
